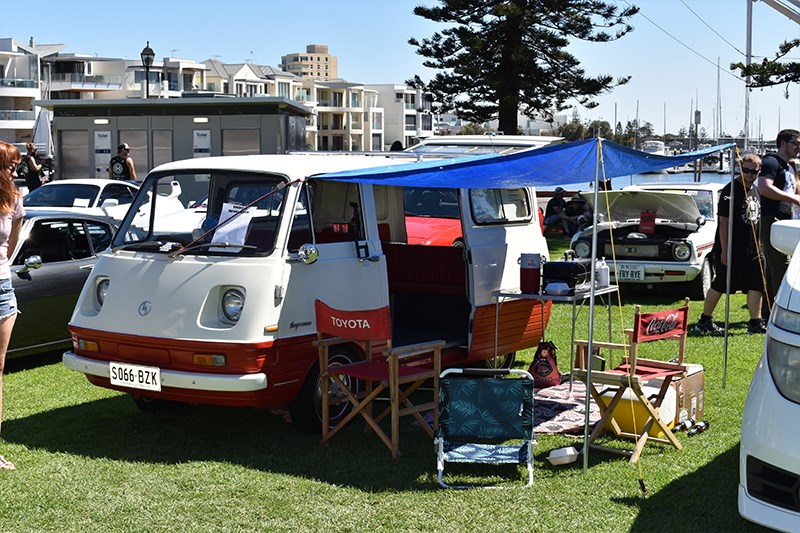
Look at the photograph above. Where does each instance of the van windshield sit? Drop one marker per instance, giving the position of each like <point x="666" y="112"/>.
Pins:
<point x="214" y="213"/>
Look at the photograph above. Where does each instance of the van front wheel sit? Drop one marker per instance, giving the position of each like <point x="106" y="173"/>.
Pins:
<point x="306" y="409"/>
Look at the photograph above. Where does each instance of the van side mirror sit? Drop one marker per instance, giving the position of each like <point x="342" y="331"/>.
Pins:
<point x="307" y="254"/>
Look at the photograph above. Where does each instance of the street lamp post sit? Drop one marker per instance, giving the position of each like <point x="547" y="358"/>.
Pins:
<point x="147" y="60"/>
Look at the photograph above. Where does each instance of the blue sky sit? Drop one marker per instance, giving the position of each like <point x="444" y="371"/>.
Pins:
<point x="673" y="65"/>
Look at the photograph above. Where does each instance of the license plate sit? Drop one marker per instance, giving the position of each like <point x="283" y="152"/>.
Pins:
<point x="630" y="272"/>
<point x="135" y="376"/>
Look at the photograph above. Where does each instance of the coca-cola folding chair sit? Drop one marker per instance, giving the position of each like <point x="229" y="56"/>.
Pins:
<point x="396" y="372"/>
<point x="632" y="374"/>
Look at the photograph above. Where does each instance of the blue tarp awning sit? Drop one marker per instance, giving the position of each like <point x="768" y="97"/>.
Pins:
<point x="553" y="165"/>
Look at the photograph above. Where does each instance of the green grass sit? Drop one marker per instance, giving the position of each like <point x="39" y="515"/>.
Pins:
<point x="89" y="460"/>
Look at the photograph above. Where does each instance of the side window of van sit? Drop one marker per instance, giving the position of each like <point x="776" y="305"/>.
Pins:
<point x="336" y="212"/>
<point x="497" y="206"/>
<point x="300" y="233"/>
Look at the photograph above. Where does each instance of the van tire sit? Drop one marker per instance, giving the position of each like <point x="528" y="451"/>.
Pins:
<point x="306" y="409"/>
<point x="503" y="361"/>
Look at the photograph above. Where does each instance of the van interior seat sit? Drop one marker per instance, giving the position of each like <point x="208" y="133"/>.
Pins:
<point x="427" y="269"/>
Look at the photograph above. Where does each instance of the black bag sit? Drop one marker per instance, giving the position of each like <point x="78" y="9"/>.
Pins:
<point x="23" y="168"/>
<point x="544" y="368"/>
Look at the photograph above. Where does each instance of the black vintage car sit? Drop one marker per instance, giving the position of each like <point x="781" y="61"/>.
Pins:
<point x="66" y="245"/>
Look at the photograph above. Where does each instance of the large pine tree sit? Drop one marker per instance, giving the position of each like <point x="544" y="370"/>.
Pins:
<point x="505" y="56"/>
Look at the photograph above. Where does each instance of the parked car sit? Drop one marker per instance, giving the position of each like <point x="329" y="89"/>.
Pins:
<point x="101" y="197"/>
<point x="769" y="453"/>
<point x="674" y="245"/>
<point x="66" y="245"/>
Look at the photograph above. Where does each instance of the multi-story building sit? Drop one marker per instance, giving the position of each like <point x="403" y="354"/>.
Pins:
<point x="248" y="79"/>
<point x="20" y="85"/>
<point x="83" y="77"/>
<point x="407" y="113"/>
<point x="346" y="116"/>
<point x="315" y="63"/>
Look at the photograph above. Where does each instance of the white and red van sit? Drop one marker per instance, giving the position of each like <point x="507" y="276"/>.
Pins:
<point x="224" y="314"/>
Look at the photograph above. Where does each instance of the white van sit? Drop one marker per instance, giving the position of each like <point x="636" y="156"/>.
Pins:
<point x="224" y="314"/>
<point x="769" y="454"/>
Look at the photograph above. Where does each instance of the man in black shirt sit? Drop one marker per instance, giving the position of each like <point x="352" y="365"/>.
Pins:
<point x="121" y="165"/>
<point x="779" y="192"/>
<point x="746" y="259"/>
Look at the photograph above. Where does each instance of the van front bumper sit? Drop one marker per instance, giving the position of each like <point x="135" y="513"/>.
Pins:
<point x="177" y="379"/>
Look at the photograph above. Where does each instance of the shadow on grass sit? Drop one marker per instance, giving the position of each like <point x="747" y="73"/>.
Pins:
<point x="693" y="502"/>
<point x="114" y="428"/>
<point x="27" y="362"/>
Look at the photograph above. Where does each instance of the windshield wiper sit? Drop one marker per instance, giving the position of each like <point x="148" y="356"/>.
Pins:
<point x="156" y="245"/>
<point x="182" y="251"/>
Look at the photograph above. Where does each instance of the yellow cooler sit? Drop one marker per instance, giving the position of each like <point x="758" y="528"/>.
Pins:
<point x="624" y="415"/>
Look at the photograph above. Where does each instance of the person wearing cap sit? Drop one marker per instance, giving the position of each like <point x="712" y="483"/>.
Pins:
<point x="556" y="213"/>
<point x="121" y="165"/>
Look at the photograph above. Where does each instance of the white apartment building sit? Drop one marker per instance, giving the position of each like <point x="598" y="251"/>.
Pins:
<point x="346" y="116"/>
<point x="20" y="85"/>
<point x="407" y="113"/>
<point x="83" y="77"/>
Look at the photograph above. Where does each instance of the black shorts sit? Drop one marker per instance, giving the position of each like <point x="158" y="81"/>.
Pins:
<point x="747" y="277"/>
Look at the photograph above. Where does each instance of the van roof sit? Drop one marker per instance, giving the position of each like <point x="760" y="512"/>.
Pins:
<point x="292" y="165"/>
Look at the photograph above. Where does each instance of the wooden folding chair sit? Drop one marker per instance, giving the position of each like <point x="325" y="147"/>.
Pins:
<point x="633" y="373"/>
<point x="399" y="371"/>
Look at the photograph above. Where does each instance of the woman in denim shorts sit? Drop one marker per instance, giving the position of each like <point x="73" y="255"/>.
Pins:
<point x="11" y="215"/>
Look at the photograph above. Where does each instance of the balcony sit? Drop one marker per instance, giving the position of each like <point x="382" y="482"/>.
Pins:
<point x="14" y="114"/>
<point x="13" y="119"/>
<point x="19" y="84"/>
<point x="100" y="82"/>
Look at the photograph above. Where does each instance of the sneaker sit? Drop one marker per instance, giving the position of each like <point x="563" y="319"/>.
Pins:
<point x="757" y="327"/>
<point x="708" y="327"/>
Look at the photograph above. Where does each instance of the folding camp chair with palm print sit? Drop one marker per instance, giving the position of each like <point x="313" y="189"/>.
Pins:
<point x="633" y="373"/>
<point x="485" y="418"/>
<point x="399" y="371"/>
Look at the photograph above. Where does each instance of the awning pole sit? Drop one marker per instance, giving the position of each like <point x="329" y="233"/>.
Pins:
<point x="590" y="350"/>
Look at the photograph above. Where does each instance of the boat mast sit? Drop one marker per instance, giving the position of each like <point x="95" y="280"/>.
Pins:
<point x="748" y="59"/>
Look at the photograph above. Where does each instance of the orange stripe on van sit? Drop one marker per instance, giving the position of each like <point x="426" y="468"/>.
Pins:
<point x="520" y="327"/>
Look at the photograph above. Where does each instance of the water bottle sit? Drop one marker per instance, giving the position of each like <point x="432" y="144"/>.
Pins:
<point x="603" y="275"/>
<point x="699" y="428"/>
<point x="684" y="425"/>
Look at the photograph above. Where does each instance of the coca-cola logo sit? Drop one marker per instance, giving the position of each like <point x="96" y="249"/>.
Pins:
<point x="661" y="325"/>
<point x="350" y="323"/>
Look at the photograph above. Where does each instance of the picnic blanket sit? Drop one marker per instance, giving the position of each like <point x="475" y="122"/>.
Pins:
<point x="556" y="410"/>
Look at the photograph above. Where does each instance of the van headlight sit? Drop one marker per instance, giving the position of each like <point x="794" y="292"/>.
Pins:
<point x="100" y="291"/>
<point x="784" y="367"/>
<point x="785" y="319"/>
<point x="682" y="251"/>
<point x="232" y="304"/>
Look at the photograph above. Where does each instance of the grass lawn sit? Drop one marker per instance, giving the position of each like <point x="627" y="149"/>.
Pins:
<point x="89" y="460"/>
